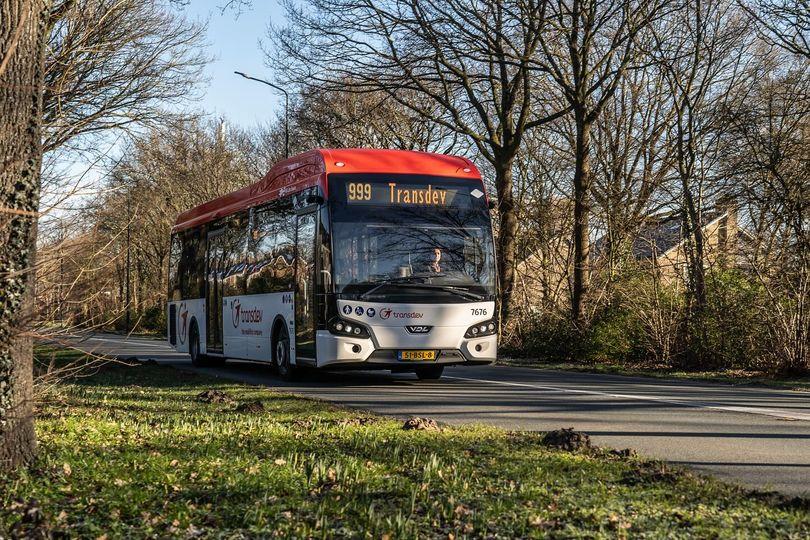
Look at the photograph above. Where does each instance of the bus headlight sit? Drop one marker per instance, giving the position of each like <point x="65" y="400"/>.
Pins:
<point x="486" y="328"/>
<point x="348" y="328"/>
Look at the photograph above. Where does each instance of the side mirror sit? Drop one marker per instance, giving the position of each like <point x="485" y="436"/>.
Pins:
<point x="315" y="199"/>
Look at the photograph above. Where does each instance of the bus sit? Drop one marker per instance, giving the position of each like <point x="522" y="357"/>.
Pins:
<point x="340" y="258"/>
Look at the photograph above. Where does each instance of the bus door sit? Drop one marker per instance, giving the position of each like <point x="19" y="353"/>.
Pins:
<point x="214" y="301"/>
<point x="305" y="286"/>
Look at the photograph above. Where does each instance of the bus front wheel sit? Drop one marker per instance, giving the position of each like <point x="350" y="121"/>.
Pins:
<point x="429" y="373"/>
<point x="197" y="358"/>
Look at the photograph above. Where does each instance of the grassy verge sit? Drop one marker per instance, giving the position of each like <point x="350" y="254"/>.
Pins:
<point x="732" y="377"/>
<point x="130" y="452"/>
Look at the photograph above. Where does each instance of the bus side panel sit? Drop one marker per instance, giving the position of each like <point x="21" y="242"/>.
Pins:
<point x="185" y="312"/>
<point x="248" y="323"/>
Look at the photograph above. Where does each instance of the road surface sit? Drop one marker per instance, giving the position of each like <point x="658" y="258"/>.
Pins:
<point x="758" y="437"/>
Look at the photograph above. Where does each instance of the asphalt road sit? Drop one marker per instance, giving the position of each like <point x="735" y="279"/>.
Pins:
<point x="758" y="437"/>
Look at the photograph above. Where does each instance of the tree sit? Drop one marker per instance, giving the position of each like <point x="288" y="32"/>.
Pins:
<point x="702" y="53"/>
<point x="112" y="64"/>
<point x="466" y="66"/>
<point x="587" y="49"/>
<point x="784" y="23"/>
<point x="22" y="49"/>
<point x="767" y="152"/>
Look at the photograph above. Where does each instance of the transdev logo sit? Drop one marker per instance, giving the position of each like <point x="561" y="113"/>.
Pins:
<point x="387" y="313"/>
<point x="236" y="310"/>
<point x="248" y="316"/>
<point x="182" y="314"/>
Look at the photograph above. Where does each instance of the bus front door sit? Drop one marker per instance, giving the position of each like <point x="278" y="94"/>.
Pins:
<point x="305" y="286"/>
<point x="213" y="300"/>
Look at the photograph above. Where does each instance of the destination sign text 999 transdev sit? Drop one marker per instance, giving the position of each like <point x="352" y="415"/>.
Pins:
<point x="398" y="194"/>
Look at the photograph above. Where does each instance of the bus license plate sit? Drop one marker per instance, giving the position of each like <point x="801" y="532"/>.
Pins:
<point x="417" y="356"/>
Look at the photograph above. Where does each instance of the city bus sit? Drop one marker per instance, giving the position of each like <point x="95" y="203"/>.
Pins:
<point x="340" y="258"/>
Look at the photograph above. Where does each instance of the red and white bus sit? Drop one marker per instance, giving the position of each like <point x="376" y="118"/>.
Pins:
<point x="352" y="258"/>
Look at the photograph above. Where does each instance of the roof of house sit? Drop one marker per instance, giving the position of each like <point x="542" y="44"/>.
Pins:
<point x="659" y="234"/>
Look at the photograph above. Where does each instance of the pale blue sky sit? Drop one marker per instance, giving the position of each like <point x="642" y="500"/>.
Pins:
<point x="234" y="45"/>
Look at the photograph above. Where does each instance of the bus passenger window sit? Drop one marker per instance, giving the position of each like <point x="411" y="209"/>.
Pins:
<point x="270" y="262"/>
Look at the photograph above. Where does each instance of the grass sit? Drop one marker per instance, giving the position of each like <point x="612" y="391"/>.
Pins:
<point x="731" y="377"/>
<point x="129" y="452"/>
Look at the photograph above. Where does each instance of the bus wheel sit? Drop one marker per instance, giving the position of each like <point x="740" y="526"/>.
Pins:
<point x="281" y="357"/>
<point x="197" y="358"/>
<point x="430" y="373"/>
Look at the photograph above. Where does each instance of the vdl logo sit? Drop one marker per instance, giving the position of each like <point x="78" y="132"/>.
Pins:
<point x="347" y="309"/>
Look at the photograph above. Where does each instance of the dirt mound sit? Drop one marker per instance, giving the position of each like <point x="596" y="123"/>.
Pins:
<point x="32" y="525"/>
<point x="420" y="423"/>
<point x="250" y="407"/>
<point x="214" y="396"/>
<point x="567" y="439"/>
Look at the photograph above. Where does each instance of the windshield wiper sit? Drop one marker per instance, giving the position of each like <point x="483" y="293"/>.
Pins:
<point x="421" y="285"/>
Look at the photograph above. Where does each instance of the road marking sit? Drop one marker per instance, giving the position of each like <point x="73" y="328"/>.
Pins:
<point x="776" y="413"/>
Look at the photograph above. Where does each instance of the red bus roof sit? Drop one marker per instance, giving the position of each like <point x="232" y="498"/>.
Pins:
<point x="310" y="169"/>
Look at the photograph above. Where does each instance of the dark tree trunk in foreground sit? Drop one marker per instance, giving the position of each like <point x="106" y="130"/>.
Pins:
<point x="22" y="38"/>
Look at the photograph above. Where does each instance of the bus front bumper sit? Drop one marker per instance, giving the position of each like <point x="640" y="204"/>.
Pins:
<point x="340" y="351"/>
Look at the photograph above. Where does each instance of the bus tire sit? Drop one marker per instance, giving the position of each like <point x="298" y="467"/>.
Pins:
<point x="281" y="356"/>
<point x="429" y="373"/>
<point x="197" y="358"/>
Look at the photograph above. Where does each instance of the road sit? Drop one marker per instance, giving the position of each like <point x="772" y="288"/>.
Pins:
<point x="758" y="437"/>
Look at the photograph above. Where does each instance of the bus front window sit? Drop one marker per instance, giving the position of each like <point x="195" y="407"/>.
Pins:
<point x="384" y="251"/>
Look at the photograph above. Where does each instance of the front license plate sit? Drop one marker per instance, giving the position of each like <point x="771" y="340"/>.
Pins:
<point x="416" y="356"/>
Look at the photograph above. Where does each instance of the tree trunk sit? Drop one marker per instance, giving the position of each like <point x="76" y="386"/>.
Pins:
<point x="507" y="229"/>
<point x="22" y="46"/>
<point x="581" y="233"/>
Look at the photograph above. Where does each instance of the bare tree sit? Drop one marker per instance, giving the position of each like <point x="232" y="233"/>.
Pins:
<point x="372" y="120"/>
<point x="22" y="48"/>
<point x="702" y="52"/>
<point x="631" y="163"/>
<point x="768" y="153"/>
<point x="112" y="64"/>
<point x="466" y="66"/>
<point x="784" y="23"/>
<point x="587" y="49"/>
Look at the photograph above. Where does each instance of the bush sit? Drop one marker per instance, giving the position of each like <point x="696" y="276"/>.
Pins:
<point x="153" y="319"/>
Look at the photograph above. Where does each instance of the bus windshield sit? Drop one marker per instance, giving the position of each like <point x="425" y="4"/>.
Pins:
<point x="411" y="238"/>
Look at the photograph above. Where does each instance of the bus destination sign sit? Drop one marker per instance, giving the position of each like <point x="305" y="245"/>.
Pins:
<point x="394" y="193"/>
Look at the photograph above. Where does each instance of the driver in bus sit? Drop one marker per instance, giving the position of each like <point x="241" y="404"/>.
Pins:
<point x="435" y="265"/>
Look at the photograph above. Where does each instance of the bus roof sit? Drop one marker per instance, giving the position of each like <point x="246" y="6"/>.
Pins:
<point x="310" y="169"/>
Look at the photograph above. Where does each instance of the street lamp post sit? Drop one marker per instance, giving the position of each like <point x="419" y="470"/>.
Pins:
<point x="286" y="109"/>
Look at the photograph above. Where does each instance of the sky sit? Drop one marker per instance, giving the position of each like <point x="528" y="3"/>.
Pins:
<point x="234" y="45"/>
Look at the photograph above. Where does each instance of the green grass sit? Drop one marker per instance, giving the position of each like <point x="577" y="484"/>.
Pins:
<point x="731" y="377"/>
<point x="129" y="452"/>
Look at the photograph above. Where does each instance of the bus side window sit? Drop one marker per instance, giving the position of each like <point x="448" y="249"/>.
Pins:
<point x="270" y="264"/>
<point x="191" y="264"/>
<point x="175" y="251"/>
<point x="234" y="245"/>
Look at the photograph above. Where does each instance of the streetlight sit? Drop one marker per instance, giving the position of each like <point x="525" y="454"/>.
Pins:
<point x="286" y="109"/>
